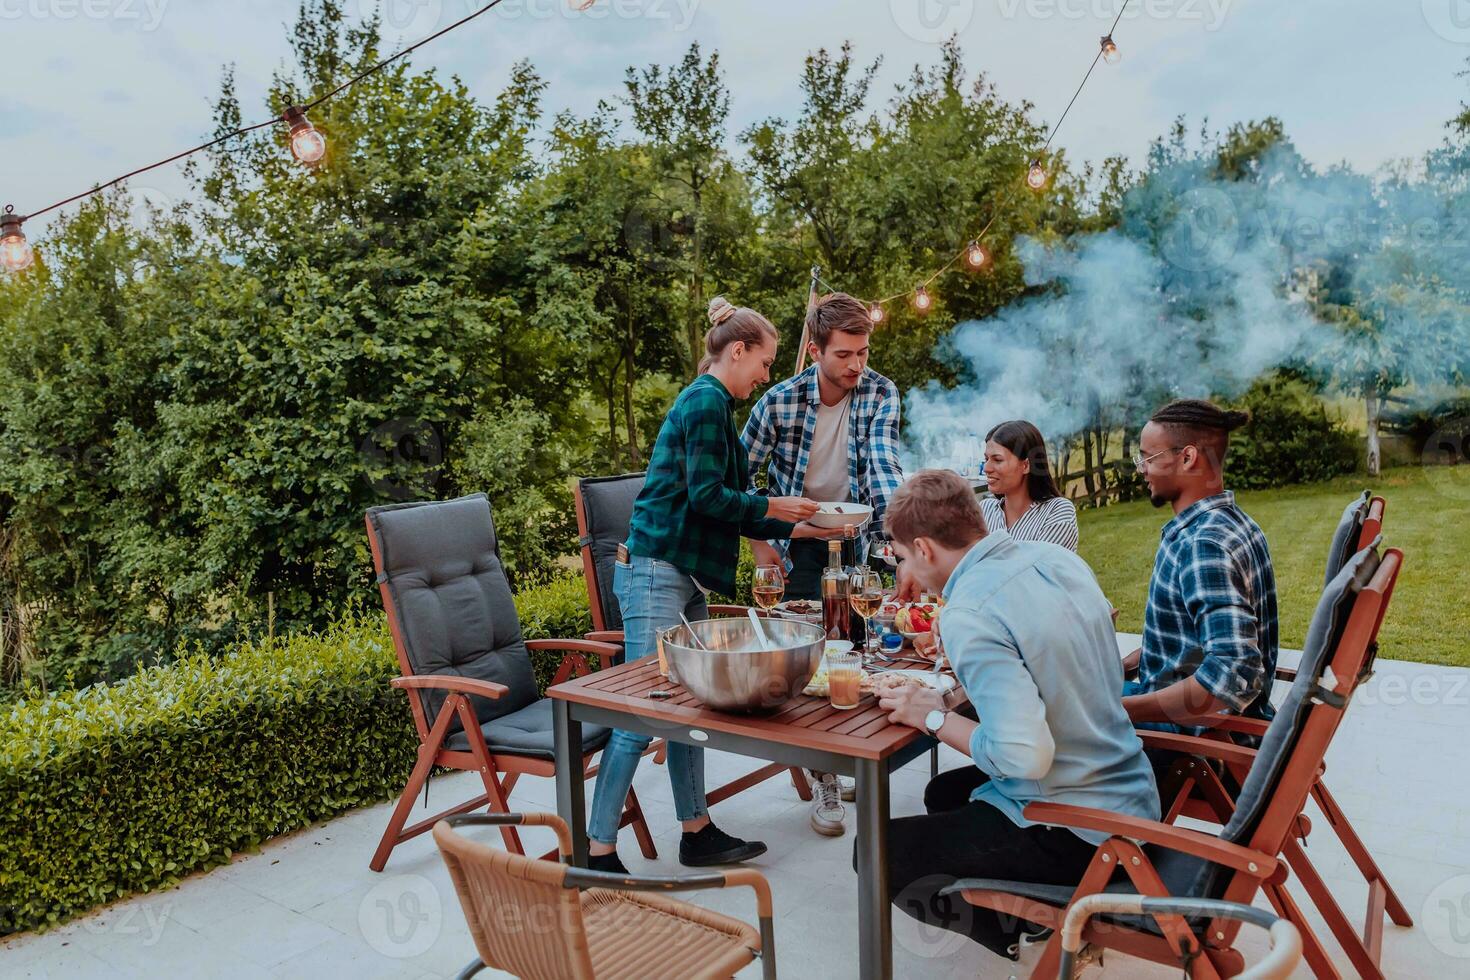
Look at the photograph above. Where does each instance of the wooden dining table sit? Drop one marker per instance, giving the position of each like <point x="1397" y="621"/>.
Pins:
<point x="805" y="731"/>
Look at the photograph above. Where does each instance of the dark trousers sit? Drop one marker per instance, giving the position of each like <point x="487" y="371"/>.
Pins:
<point x="961" y="839"/>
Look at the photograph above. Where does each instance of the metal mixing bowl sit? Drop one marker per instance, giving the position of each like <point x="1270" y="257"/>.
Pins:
<point x="735" y="674"/>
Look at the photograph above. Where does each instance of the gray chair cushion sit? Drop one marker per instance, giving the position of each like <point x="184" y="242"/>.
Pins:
<point x="1345" y="538"/>
<point x="528" y="732"/>
<point x="442" y="566"/>
<point x="607" y="502"/>
<point x="1194" y="877"/>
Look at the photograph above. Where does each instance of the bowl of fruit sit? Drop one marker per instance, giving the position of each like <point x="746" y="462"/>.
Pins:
<point x="915" y="618"/>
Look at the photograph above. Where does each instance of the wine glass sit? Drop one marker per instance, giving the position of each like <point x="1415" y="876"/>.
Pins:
<point x="768" y="586"/>
<point x="865" y="592"/>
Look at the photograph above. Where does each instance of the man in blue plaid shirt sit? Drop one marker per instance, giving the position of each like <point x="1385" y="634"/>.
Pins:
<point x="1210" y="629"/>
<point x="829" y="434"/>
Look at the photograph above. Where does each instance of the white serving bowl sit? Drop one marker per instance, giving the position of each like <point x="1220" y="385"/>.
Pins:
<point x="855" y="514"/>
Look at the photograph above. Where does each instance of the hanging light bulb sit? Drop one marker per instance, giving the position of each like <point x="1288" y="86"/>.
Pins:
<point x="1110" y="52"/>
<point x="16" y="253"/>
<point x="875" y="313"/>
<point x="922" y="300"/>
<point x="1036" y="176"/>
<point x="307" y="143"/>
<point x="975" y="255"/>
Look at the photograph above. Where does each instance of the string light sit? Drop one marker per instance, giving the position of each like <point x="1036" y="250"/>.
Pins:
<point x="975" y="255"/>
<point x="1036" y="176"/>
<point x="16" y="254"/>
<point x="307" y="143"/>
<point x="580" y="5"/>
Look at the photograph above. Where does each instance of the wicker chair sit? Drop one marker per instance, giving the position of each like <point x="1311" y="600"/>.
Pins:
<point x="542" y="919"/>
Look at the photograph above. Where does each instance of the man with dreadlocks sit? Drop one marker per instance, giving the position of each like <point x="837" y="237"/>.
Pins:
<point x="1209" y="633"/>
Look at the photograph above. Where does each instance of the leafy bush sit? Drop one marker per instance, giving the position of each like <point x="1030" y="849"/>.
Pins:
<point x="117" y="789"/>
<point x="1289" y="439"/>
<point x="1444" y="421"/>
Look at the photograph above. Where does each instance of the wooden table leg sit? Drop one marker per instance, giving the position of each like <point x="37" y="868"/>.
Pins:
<point x="571" y="788"/>
<point x="875" y="922"/>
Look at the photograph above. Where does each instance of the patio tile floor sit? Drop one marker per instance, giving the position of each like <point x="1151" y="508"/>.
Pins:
<point x="307" y="906"/>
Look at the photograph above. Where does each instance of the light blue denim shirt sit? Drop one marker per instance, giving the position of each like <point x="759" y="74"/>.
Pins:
<point x="1031" y="638"/>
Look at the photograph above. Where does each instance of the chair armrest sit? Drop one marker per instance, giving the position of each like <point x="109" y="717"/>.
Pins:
<point x="1194" y="745"/>
<point x="605" y="636"/>
<point x="451" y="682"/>
<point x="604" y="651"/>
<point x="1236" y="723"/>
<point x="1206" y="846"/>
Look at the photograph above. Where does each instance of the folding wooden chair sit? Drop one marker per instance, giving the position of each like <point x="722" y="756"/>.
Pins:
<point x="545" y="920"/>
<point x="1202" y="794"/>
<point x="604" y="513"/>
<point x="466" y="668"/>
<point x="1157" y="859"/>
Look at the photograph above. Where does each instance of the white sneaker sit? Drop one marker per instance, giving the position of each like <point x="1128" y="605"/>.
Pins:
<point x="848" y="789"/>
<point x="827" y="809"/>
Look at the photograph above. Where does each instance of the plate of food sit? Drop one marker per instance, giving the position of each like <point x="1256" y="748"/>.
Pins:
<point x="799" y="609"/>
<point x="841" y="515"/>
<point x="884" y="552"/>
<point x="886" y="680"/>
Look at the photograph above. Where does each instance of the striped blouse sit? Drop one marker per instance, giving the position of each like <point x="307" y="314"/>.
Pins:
<point x="1054" y="520"/>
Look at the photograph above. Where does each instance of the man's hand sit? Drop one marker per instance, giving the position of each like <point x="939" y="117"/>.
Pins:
<point x="908" y="705"/>
<point x="806" y="530"/>
<point x="765" y="554"/>
<point x="1130" y="662"/>
<point x="908" y="588"/>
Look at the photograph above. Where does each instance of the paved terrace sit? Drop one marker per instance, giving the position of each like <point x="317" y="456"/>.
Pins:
<point x="307" y="906"/>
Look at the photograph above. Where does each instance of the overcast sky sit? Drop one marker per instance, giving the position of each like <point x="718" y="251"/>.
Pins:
<point x="97" y="87"/>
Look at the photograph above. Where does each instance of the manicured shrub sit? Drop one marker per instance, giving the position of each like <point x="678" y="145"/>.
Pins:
<point x="1289" y="439"/>
<point x="115" y="789"/>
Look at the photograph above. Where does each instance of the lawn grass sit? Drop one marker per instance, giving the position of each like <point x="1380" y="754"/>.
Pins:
<point x="1428" y="516"/>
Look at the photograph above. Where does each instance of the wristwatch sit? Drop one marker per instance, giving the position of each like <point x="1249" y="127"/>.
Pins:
<point x="934" y="721"/>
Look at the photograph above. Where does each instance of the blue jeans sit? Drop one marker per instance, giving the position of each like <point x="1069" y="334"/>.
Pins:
<point x="651" y="594"/>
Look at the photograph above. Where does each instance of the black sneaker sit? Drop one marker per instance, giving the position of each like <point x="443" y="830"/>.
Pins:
<point x="606" y="862"/>
<point x="712" y="845"/>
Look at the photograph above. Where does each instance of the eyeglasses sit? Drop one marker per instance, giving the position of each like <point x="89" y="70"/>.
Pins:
<point x="1140" y="460"/>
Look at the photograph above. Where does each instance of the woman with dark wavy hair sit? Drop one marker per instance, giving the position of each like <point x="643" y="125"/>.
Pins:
<point x="1025" y="501"/>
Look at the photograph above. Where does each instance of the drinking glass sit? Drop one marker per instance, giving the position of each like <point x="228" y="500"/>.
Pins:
<point x="844" y="678"/>
<point x="768" y="586"/>
<point x="865" y="592"/>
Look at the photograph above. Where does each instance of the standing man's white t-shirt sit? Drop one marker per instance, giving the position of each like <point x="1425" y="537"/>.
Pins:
<point x="827" y="479"/>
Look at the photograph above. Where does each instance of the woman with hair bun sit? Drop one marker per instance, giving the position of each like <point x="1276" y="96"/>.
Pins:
<point x="684" y="541"/>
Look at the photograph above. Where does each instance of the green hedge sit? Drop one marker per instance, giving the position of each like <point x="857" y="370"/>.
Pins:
<point x="117" y="789"/>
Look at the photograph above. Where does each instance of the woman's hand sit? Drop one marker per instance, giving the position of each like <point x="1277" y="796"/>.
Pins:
<point x="792" y="510"/>
<point x="805" y="530"/>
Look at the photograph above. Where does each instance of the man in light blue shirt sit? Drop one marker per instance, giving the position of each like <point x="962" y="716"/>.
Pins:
<point x="1030" y="636"/>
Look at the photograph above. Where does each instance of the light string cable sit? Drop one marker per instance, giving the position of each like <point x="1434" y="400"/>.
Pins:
<point x="275" y="120"/>
<point x="974" y="250"/>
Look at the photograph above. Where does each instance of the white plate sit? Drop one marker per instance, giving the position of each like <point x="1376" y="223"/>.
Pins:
<point x="854" y="514"/>
<point x="815" y="611"/>
<point x="946" y="682"/>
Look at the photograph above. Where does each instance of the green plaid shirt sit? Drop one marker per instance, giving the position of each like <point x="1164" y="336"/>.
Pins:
<point x="693" y="508"/>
